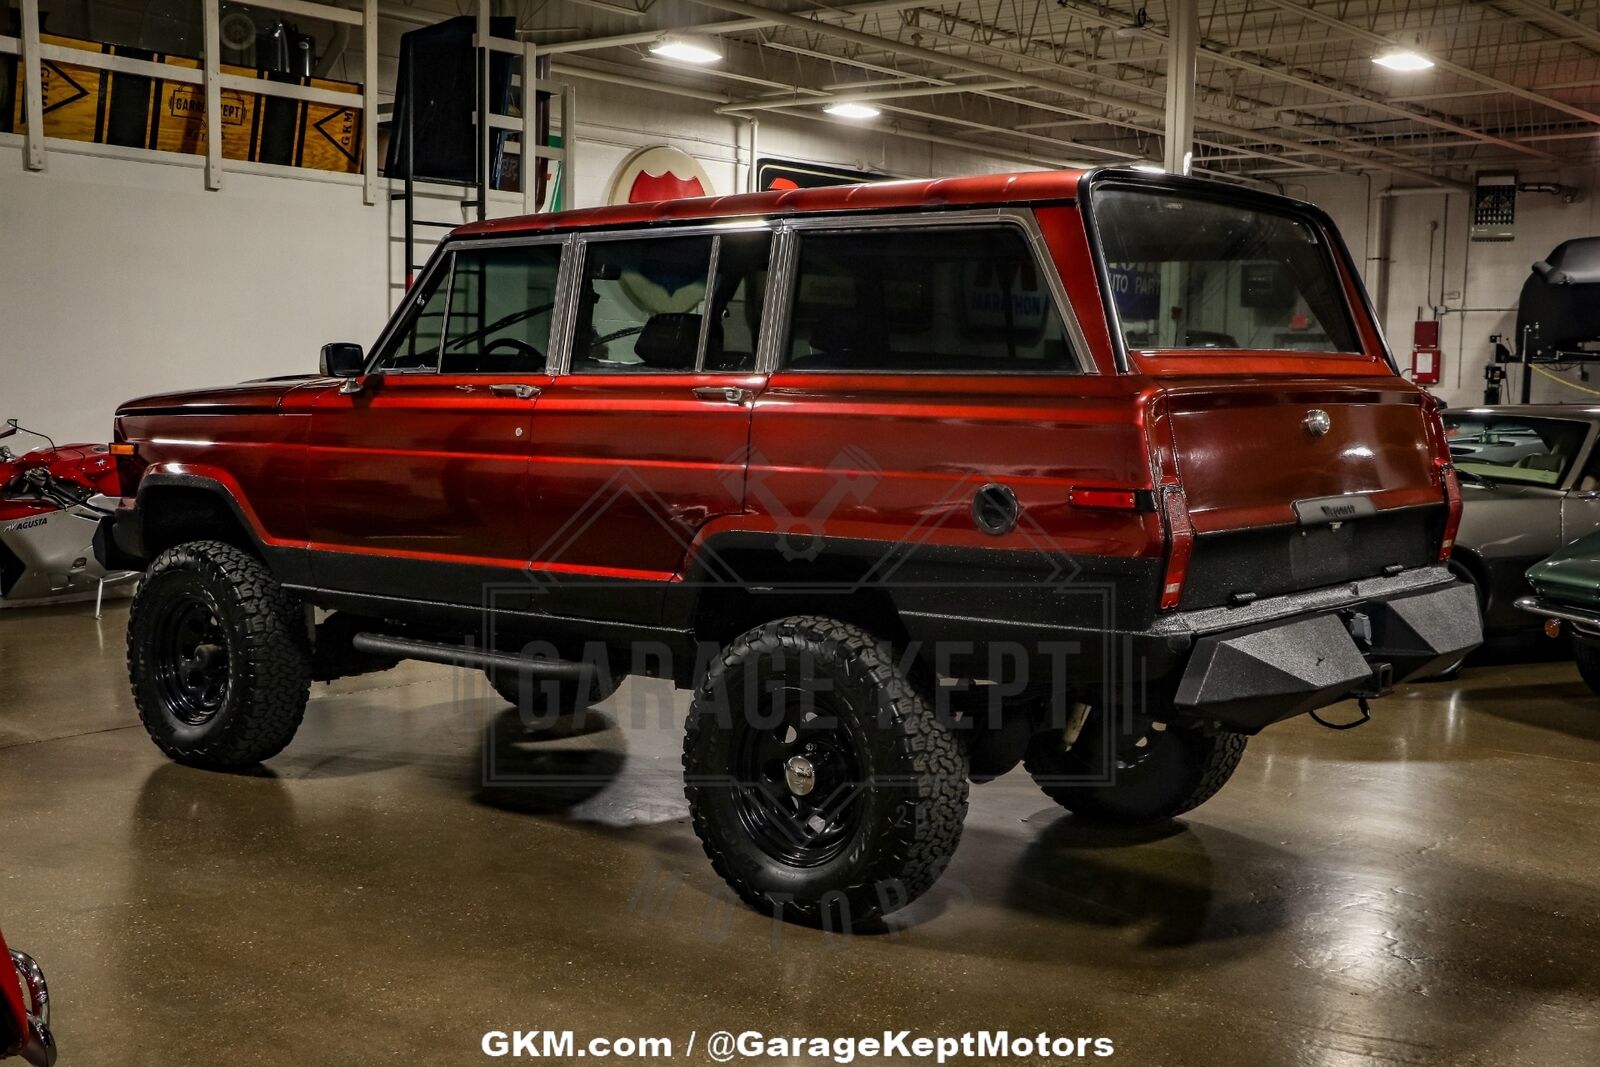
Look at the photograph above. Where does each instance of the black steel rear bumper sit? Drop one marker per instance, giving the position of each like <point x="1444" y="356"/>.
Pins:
<point x="1249" y="677"/>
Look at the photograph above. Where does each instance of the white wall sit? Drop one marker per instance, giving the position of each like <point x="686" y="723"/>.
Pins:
<point x="1433" y="264"/>
<point x="120" y="278"/>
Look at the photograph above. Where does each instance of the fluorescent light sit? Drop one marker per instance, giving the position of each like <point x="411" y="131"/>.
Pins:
<point x="1403" y="59"/>
<point x="687" y="50"/>
<point x="853" y="111"/>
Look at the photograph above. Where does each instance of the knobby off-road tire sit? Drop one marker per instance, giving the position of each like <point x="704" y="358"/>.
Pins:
<point x="218" y="657"/>
<point x="1176" y="770"/>
<point x="1587" y="652"/>
<point x="889" y="786"/>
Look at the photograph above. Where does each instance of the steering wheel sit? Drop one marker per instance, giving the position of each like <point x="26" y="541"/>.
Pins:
<point x="517" y="345"/>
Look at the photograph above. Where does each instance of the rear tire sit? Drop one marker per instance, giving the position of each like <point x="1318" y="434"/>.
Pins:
<point x="218" y="657"/>
<point x="1175" y="770"/>
<point x="1587" y="652"/>
<point x="870" y="816"/>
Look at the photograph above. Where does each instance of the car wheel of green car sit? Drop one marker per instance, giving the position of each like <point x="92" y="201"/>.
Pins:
<point x="1587" y="652"/>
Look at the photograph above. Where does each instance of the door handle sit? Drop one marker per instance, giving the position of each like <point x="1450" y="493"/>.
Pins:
<point x="728" y="394"/>
<point x="516" y="389"/>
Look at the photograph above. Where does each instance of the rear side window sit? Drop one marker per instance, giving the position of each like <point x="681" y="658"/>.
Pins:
<point x="1188" y="272"/>
<point x="934" y="298"/>
<point x="652" y="305"/>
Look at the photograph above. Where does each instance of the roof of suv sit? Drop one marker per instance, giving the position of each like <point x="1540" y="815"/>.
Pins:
<point x="976" y="191"/>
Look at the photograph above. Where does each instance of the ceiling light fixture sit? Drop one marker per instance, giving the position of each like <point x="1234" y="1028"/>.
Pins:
<point x="847" y="110"/>
<point x="697" y="50"/>
<point x="1403" y="59"/>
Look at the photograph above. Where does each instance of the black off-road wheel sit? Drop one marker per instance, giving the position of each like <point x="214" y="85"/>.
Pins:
<point x="1139" y="773"/>
<point x="1586" y="650"/>
<point x="821" y="783"/>
<point x="218" y="657"/>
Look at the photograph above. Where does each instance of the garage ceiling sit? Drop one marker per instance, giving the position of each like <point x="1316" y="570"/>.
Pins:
<point x="1285" y="87"/>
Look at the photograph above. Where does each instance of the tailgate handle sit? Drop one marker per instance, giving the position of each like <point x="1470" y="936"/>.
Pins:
<point x="519" y="390"/>
<point x="727" y="394"/>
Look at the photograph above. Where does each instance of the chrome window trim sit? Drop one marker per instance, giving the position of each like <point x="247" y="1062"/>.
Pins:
<point x="1020" y="218"/>
<point x="443" y="259"/>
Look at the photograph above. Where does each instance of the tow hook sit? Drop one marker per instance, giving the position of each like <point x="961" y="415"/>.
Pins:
<point x="1381" y="682"/>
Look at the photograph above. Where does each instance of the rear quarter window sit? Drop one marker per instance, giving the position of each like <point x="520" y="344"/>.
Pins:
<point x="936" y="298"/>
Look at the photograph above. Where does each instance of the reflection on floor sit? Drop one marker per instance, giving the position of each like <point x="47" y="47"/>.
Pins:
<point x="1418" y="891"/>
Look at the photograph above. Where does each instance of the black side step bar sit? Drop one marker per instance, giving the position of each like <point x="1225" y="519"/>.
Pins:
<point x="466" y="656"/>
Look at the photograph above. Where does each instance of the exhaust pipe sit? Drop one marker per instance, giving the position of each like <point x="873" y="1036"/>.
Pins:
<point x="38" y="1046"/>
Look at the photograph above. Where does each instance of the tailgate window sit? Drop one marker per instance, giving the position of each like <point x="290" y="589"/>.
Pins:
<point x="1187" y="272"/>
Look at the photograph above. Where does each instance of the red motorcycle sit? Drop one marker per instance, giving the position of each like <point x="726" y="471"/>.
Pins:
<point x="25" y="1011"/>
<point x="52" y="502"/>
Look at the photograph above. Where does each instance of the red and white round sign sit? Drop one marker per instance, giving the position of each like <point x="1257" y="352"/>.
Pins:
<point x="660" y="172"/>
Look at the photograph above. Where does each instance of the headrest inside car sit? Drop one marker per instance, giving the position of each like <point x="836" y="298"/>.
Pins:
<point x="669" y="341"/>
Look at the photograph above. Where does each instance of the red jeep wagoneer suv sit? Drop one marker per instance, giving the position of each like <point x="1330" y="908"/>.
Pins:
<point x="913" y="482"/>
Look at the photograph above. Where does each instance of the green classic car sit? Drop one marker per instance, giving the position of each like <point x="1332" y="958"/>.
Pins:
<point x="1567" y="587"/>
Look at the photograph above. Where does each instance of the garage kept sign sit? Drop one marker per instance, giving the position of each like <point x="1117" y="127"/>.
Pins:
<point x="774" y="173"/>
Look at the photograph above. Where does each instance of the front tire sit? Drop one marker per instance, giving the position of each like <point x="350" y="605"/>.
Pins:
<point x="820" y="782"/>
<point x="1587" y="652"/>
<point x="218" y="657"/>
<point x="1133" y="776"/>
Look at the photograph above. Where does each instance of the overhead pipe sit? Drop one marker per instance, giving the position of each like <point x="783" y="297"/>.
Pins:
<point x="741" y="7"/>
<point x="866" y="97"/>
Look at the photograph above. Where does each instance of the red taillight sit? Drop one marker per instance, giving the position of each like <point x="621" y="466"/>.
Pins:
<point x="1452" y="501"/>
<point x="1180" y="545"/>
<point x="1114" y="499"/>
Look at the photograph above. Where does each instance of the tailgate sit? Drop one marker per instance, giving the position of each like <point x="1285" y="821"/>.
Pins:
<point x="1300" y="485"/>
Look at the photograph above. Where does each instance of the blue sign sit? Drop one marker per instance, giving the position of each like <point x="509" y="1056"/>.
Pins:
<point x="1136" y="291"/>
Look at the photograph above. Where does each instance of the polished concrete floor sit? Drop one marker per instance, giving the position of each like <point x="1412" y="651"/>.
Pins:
<point x="1422" y="890"/>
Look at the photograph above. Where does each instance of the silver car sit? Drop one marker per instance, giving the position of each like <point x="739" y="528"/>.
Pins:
<point x="1530" y="483"/>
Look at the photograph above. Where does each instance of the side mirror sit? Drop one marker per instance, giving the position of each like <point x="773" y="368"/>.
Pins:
<point x="342" y="359"/>
<point x="10" y="430"/>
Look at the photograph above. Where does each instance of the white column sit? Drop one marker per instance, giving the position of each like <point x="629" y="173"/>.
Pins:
<point x="32" y="86"/>
<point x="1183" y="39"/>
<point x="529" y="162"/>
<point x="369" y="107"/>
<point x="211" y="63"/>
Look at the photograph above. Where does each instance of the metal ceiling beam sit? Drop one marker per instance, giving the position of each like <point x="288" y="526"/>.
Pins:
<point x="759" y="22"/>
<point x="1131" y="62"/>
<point x="741" y="7"/>
<point x="770" y="104"/>
<point x="1349" y="94"/>
<point x="1439" y="62"/>
<point x="1537" y="12"/>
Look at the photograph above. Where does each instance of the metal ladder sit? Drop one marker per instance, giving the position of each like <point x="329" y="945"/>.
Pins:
<point x="534" y="146"/>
